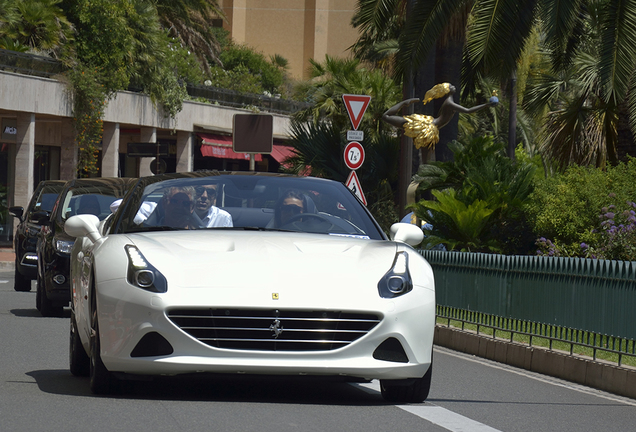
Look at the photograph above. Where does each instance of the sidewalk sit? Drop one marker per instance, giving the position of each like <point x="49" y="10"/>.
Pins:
<point x="7" y="259"/>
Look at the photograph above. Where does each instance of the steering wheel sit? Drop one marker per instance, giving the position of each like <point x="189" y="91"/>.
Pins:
<point x="295" y="222"/>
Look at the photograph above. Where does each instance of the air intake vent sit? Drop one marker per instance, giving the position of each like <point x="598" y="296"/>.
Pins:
<point x="274" y="330"/>
<point x="391" y="350"/>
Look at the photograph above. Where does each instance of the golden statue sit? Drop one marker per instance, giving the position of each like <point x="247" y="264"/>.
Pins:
<point x="424" y="129"/>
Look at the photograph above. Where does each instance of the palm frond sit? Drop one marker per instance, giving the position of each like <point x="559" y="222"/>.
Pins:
<point x="618" y="48"/>
<point x="498" y="34"/>
<point x="424" y="24"/>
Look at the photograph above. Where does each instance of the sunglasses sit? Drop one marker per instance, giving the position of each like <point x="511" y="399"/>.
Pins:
<point x="291" y="208"/>
<point x="180" y="202"/>
<point x="200" y="190"/>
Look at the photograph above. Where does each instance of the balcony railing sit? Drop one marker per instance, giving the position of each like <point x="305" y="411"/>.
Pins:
<point x="30" y="64"/>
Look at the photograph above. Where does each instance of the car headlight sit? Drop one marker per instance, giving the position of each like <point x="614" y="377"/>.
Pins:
<point x="63" y="246"/>
<point x="142" y="274"/>
<point x="397" y="281"/>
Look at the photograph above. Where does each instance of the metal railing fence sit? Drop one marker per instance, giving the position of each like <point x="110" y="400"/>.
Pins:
<point x="567" y="299"/>
<point x="532" y="331"/>
<point x="30" y="64"/>
<point x="246" y="100"/>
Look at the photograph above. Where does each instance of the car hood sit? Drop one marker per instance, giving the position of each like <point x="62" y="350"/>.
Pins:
<point x="268" y="262"/>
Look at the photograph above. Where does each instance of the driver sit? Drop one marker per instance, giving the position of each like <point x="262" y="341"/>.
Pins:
<point x="292" y="203"/>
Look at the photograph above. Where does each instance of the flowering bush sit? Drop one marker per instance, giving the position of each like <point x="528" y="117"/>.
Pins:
<point x="615" y="237"/>
<point x="617" y="234"/>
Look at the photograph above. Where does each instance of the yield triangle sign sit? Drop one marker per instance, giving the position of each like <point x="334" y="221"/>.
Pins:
<point x="356" y="106"/>
<point x="354" y="186"/>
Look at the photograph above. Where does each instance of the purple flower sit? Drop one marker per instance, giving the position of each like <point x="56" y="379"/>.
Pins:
<point x="584" y="246"/>
<point x="609" y="215"/>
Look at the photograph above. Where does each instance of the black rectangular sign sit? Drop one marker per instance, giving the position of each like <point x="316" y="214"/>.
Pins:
<point x="148" y="149"/>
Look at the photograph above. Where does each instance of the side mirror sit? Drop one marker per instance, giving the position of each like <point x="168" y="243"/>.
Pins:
<point x="17" y="212"/>
<point x="83" y="226"/>
<point x="41" y="217"/>
<point x="406" y="233"/>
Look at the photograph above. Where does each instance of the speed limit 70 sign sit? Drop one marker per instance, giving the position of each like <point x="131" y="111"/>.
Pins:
<point x="354" y="155"/>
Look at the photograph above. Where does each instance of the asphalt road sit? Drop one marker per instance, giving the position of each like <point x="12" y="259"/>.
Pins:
<point x="469" y="394"/>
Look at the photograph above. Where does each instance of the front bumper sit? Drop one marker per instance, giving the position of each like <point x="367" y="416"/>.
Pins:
<point x="127" y="314"/>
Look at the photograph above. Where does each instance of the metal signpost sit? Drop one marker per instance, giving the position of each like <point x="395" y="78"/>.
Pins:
<point x="354" y="152"/>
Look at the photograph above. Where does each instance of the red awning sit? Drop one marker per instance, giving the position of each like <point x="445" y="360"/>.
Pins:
<point x="220" y="146"/>
<point x="281" y="152"/>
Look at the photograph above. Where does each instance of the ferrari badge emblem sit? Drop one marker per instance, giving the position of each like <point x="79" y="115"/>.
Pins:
<point x="274" y="296"/>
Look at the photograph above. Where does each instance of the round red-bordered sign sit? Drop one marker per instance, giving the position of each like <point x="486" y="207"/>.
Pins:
<point x="354" y="155"/>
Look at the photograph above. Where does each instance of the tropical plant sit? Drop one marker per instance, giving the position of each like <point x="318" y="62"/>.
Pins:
<point x="483" y="193"/>
<point x="39" y="25"/>
<point x="335" y="77"/>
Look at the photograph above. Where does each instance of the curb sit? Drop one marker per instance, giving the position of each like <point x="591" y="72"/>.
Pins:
<point x="607" y="377"/>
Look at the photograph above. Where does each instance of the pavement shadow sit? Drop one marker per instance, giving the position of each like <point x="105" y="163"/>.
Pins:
<point x="34" y="313"/>
<point x="218" y="388"/>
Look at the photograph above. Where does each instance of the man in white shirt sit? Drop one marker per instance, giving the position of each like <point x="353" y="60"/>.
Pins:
<point x="205" y="208"/>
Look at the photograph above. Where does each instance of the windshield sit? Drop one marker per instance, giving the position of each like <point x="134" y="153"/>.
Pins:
<point x="248" y="202"/>
<point x="88" y="200"/>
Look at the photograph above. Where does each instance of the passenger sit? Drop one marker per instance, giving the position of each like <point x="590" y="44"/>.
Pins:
<point x="292" y="203"/>
<point x="178" y="203"/>
<point x="206" y="210"/>
<point x="89" y="205"/>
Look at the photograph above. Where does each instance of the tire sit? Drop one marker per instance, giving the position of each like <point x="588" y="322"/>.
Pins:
<point x="101" y="380"/>
<point x="21" y="283"/>
<point x="44" y="305"/>
<point x="79" y="362"/>
<point x="413" y="392"/>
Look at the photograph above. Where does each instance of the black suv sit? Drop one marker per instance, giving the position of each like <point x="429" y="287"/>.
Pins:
<point x="80" y="196"/>
<point x="26" y="236"/>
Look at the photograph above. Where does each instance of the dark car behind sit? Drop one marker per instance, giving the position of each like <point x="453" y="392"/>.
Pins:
<point x="80" y="196"/>
<point x="26" y="235"/>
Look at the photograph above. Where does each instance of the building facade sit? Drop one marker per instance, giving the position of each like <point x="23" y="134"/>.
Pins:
<point x="38" y="140"/>
<point x="298" y="30"/>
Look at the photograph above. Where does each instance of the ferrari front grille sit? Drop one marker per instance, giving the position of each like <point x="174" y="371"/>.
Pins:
<point x="274" y="330"/>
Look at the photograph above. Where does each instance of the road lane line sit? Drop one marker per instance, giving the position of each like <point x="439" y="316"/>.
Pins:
<point x="437" y="415"/>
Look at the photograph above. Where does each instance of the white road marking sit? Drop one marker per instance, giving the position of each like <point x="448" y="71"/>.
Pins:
<point x="4" y="281"/>
<point x="435" y="414"/>
<point x="536" y="376"/>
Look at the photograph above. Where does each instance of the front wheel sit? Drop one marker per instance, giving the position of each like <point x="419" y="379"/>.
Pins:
<point x="44" y="305"/>
<point x="79" y="362"/>
<point x="407" y="391"/>
<point x="101" y="380"/>
<point x="21" y="282"/>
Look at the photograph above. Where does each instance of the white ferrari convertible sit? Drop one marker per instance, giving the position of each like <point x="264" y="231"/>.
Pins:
<point x="249" y="273"/>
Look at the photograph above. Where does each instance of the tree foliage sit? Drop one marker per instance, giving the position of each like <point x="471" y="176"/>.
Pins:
<point x="480" y="199"/>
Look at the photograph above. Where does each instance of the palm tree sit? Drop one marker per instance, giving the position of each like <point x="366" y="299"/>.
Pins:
<point x="37" y="24"/>
<point x="582" y="125"/>
<point x="189" y="21"/>
<point x="500" y="30"/>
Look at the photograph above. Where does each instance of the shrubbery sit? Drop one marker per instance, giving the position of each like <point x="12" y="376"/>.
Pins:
<point x="586" y="212"/>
